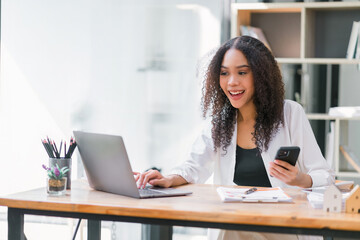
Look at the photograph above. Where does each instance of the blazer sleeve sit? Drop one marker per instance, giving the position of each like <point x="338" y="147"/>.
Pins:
<point x="311" y="160"/>
<point x="199" y="164"/>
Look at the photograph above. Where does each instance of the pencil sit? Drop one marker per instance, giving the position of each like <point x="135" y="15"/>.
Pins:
<point x="55" y="149"/>
<point x="65" y="149"/>
<point x="47" y="150"/>
<point x="60" y="149"/>
<point x="71" y="149"/>
<point x="48" y="146"/>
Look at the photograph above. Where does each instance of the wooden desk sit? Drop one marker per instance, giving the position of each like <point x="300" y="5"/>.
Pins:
<point x="201" y="209"/>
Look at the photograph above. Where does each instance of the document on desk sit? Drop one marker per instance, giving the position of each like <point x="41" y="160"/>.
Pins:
<point x="260" y="195"/>
<point x="316" y="195"/>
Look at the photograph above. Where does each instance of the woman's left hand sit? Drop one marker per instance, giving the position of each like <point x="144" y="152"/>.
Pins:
<point x="289" y="174"/>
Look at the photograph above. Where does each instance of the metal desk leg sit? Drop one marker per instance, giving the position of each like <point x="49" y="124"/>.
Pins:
<point x="94" y="229"/>
<point x="156" y="232"/>
<point x="15" y="224"/>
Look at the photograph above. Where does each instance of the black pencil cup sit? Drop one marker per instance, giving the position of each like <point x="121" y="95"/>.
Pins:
<point x="62" y="162"/>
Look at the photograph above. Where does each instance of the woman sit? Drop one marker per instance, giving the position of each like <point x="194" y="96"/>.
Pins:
<point x="250" y="121"/>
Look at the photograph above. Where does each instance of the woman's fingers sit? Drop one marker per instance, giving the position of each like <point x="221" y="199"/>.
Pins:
<point x="145" y="177"/>
<point x="140" y="179"/>
<point x="284" y="172"/>
<point x="274" y="171"/>
<point x="152" y="177"/>
<point x="284" y="164"/>
<point x="136" y="175"/>
<point x="163" y="182"/>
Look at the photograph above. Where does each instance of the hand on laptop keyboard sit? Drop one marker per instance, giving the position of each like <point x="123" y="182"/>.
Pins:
<point x="153" y="177"/>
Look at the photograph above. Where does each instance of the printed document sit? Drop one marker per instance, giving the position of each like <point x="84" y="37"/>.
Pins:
<point x="260" y="195"/>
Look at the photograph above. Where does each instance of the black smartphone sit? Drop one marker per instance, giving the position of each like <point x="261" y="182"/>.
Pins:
<point x="288" y="154"/>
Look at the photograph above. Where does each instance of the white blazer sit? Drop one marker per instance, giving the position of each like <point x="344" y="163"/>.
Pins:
<point x="203" y="161"/>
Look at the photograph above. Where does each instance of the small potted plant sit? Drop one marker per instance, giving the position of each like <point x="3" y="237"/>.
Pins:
<point x="56" y="181"/>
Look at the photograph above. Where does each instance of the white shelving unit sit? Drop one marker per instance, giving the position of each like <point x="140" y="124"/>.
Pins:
<point x="341" y="123"/>
<point x="313" y="32"/>
<point x="305" y="33"/>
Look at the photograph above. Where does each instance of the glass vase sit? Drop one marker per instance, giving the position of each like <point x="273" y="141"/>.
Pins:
<point x="56" y="187"/>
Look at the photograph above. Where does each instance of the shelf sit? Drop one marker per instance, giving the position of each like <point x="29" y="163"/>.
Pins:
<point x="318" y="60"/>
<point x="348" y="174"/>
<point x="324" y="116"/>
<point x="294" y="6"/>
<point x="327" y="31"/>
<point x="311" y="32"/>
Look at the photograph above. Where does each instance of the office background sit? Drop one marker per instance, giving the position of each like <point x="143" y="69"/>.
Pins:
<point x="119" y="67"/>
<point x="123" y="67"/>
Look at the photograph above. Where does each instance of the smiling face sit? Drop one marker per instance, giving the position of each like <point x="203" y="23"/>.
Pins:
<point x="236" y="79"/>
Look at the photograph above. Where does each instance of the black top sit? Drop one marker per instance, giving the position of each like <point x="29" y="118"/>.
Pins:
<point x="250" y="169"/>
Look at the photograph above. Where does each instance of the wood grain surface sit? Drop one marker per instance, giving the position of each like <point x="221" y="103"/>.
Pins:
<point x="203" y="205"/>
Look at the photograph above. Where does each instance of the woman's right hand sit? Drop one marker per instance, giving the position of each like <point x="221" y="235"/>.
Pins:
<point x="152" y="177"/>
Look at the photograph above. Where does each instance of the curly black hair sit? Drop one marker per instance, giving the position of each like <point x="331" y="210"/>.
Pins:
<point x="268" y="96"/>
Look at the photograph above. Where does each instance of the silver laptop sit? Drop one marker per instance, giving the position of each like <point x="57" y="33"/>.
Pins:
<point x="108" y="168"/>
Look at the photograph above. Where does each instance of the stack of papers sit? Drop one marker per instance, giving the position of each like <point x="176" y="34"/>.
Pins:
<point x="261" y="195"/>
<point x="315" y="196"/>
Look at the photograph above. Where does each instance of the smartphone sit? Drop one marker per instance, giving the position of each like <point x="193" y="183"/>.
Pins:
<point x="288" y="154"/>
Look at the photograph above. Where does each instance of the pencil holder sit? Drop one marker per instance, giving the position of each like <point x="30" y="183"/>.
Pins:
<point x="62" y="162"/>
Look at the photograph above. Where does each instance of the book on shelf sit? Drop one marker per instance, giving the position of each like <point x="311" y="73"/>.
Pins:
<point x="254" y="32"/>
<point x="353" y="47"/>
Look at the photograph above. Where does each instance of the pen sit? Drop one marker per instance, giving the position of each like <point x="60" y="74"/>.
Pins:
<point x="251" y="190"/>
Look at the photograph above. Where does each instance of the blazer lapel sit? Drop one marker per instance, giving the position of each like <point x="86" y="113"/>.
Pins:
<point x="228" y="160"/>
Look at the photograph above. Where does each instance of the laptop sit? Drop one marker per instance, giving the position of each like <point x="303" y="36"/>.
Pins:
<point x="108" y="169"/>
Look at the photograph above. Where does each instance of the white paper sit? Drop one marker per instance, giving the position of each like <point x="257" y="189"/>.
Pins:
<point x="316" y="200"/>
<point x="315" y="196"/>
<point x="261" y="195"/>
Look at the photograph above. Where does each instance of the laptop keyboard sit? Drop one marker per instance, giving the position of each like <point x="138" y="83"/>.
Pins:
<point x="149" y="192"/>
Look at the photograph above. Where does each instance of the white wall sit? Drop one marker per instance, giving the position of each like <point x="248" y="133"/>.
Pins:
<point x="119" y="67"/>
